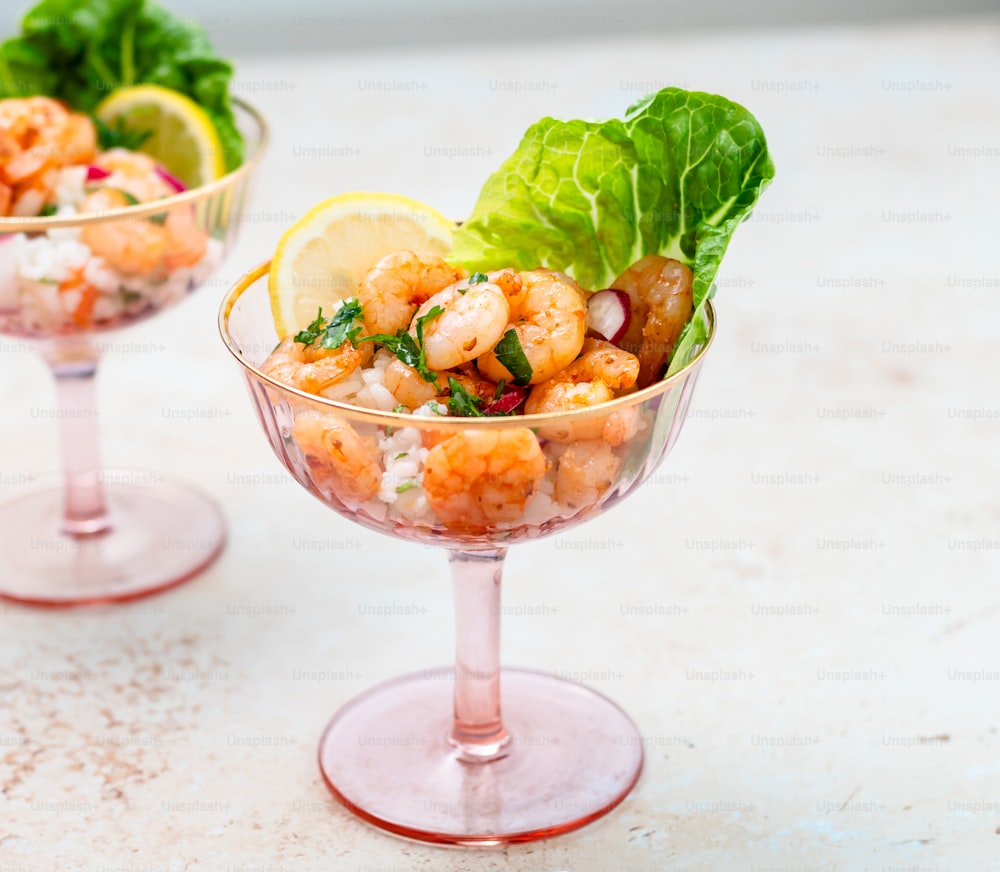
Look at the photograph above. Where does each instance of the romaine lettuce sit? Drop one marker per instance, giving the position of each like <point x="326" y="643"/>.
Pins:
<point x="81" y="52"/>
<point x="589" y="198"/>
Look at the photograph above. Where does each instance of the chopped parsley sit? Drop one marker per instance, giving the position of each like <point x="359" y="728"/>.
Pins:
<point x="335" y="332"/>
<point x="400" y="409"/>
<point x="159" y="218"/>
<point x="408" y="349"/>
<point x="510" y="353"/>
<point x="48" y="210"/>
<point x="405" y="486"/>
<point x="461" y="402"/>
<point x="478" y="278"/>
<point x="117" y="135"/>
<point x="401" y="455"/>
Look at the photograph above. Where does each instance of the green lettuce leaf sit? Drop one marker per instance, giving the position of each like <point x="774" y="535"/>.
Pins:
<point x="675" y="177"/>
<point x="81" y="52"/>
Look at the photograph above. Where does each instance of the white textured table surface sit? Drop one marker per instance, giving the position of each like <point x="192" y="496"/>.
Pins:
<point x="800" y="610"/>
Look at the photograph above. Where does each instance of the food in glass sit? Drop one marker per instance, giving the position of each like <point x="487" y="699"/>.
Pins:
<point x="124" y="171"/>
<point x="479" y="386"/>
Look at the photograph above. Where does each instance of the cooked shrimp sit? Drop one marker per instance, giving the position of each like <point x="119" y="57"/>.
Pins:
<point x="30" y="196"/>
<point x="186" y="241"/>
<point x="412" y="390"/>
<point x="591" y="379"/>
<point x="473" y="319"/>
<point x="311" y="368"/>
<point x="47" y="136"/>
<point x="479" y="478"/>
<point x="135" y="246"/>
<point x="585" y="473"/>
<point x="340" y="461"/>
<point x="408" y="386"/>
<point x="134" y="172"/>
<point x="71" y="141"/>
<point x="391" y="292"/>
<point x="662" y="302"/>
<point x="549" y="315"/>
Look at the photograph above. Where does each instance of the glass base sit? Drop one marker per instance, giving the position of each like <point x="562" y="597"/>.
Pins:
<point x="162" y="533"/>
<point x="573" y="756"/>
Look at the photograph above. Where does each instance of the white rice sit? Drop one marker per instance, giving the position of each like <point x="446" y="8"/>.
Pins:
<point x="31" y="270"/>
<point x="41" y="263"/>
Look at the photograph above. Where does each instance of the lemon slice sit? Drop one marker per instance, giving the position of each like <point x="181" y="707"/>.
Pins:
<point x="182" y="136"/>
<point x="323" y="256"/>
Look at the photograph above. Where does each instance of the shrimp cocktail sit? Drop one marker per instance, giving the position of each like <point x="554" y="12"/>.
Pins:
<point x="124" y="165"/>
<point x="478" y="385"/>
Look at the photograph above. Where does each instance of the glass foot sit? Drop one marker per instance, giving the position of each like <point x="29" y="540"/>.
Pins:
<point x="573" y="756"/>
<point x="162" y="533"/>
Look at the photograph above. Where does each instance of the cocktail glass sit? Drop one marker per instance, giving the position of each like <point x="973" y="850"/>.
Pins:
<point x="429" y="755"/>
<point x="95" y="536"/>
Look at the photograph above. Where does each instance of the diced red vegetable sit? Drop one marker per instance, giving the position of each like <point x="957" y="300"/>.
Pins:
<point x="610" y="313"/>
<point x="171" y="179"/>
<point x="507" y="402"/>
<point x="95" y="174"/>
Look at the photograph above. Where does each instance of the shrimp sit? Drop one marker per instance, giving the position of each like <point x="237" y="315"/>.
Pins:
<point x="662" y="302"/>
<point x="408" y="386"/>
<point x="591" y="379"/>
<point x="311" y="368"/>
<point x="134" y="172"/>
<point x="131" y="246"/>
<point x="473" y="319"/>
<point x="47" y="136"/>
<point x="29" y="197"/>
<point x="479" y="478"/>
<point x="339" y="460"/>
<point x="412" y="390"/>
<point x="186" y="241"/>
<point x="549" y="315"/>
<point x="585" y="473"/>
<point x="391" y="292"/>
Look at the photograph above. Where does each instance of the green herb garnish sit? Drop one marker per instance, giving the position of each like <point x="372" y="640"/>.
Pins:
<point x="478" y="278"/>
<point x="401" y="455"/>
<point x="405" y="486"/>
<point x="48" y="210"/>
<point x="509" y="352"/>
<point x="499" y="391"/>
<point x="337" y="331"/>
<point x="461" y="402"/>
<point x="117" y="135"/>
<point x="408" y="349"/>
<point x="159" y="218"/>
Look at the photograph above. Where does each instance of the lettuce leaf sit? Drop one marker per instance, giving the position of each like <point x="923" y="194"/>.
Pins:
<point x="81" y="52"/>
<point x="675" y="177"/>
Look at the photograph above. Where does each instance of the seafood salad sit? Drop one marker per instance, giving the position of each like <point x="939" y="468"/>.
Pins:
<point x="75" y="144"/>
<point x="510" y="315"/>
<point x="426" y="338"/>
<point x="100" y="273"/>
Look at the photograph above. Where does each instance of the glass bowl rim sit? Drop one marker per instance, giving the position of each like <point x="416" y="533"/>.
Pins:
<point x="398" y="419"/>
<point x="38" y="224"/>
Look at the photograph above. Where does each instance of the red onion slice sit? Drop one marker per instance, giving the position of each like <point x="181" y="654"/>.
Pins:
<point x="610" y="313"/>
<point x="171" y="179"/>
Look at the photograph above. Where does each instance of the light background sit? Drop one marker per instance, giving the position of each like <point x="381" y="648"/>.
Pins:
<point x="851" y="398"/>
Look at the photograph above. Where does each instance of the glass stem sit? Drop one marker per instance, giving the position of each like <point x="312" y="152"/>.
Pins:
<point x="477" y="729"/>
<point x="74" y="366"/>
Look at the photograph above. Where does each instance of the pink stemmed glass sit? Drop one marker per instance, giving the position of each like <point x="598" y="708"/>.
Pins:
<point x="96" y="536"/>
<point x="429" y="755"/>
